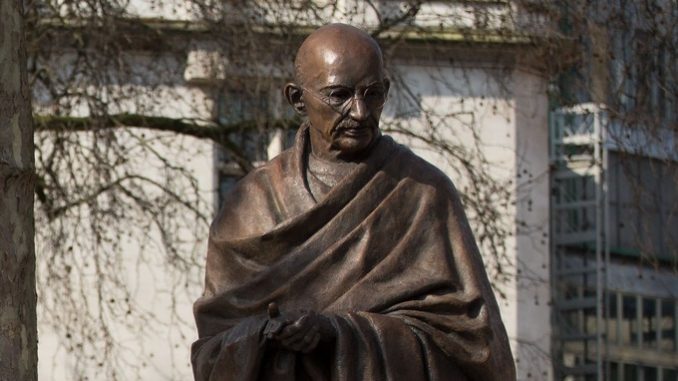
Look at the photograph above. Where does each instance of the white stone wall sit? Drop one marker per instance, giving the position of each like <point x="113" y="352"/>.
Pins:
<point x="509" y="116"/>
<point x="158" y="345"/>
<point x="509" y="113"/>
<point x="505" y="108"/>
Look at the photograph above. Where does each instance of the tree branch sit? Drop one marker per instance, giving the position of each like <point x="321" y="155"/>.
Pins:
<point x="218" y="133"/>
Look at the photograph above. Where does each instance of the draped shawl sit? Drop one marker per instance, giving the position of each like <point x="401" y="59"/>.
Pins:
<point x="387" y="255"/>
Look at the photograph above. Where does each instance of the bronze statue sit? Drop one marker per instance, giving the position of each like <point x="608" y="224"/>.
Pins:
<point x="346" y="257"/>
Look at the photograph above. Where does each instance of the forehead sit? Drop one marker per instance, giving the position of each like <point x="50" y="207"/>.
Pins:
<point x="344" y="64"/>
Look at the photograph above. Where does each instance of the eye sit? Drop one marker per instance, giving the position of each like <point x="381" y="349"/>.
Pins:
<point x="339" y="96"/>
<point x="374" y="94"/>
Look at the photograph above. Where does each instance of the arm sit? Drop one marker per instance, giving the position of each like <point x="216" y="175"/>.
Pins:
<point x="237" y="350"/>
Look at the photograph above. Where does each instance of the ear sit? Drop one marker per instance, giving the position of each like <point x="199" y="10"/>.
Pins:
<point x="387" y="85"/>
<point x="293" y="93"/>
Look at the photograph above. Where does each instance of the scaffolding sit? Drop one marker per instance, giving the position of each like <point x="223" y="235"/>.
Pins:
<point x="579" y="206"/>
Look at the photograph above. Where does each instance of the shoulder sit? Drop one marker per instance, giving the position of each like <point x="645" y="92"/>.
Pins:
<point x="251" y="205"/>
<point x="257" y="181"/>
<point x="408" y="165"/>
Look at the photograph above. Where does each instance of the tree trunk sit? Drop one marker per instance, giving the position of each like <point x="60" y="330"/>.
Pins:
<point x="18" y="332"/>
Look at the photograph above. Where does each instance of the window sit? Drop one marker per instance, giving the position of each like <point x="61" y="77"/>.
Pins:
<point x="641" y="337"/>
<point x="628" y="321"/>
<point x="634" y="372"/>
<point x="668" y="340"/>
<point x="642" y="207"/>
<point x="639" y="321"/>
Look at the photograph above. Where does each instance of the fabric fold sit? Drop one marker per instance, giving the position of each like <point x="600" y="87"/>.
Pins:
<point x="387" y="254"/>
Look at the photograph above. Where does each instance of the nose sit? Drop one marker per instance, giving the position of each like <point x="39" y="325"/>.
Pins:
<point x="358" y="110"/>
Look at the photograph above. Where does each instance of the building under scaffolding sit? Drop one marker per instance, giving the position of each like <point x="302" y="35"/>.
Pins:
<point x="614" y="275"/>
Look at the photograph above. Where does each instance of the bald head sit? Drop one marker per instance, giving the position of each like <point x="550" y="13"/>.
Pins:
<point x="333" y="45"/>
<point x="341" y="89"/>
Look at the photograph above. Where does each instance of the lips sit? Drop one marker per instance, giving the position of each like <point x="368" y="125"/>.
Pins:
<point x="360" y="131"/>
<point x="353" y="130"/>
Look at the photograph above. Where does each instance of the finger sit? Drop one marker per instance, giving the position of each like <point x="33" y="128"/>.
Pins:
<point x="301" y="339"/>
<point x="294" y="329"/>
<point x="313" y="344"/>
<point x="300" y="345"/>
<point x="310" y="342"/>
<point x="286" y="332"/>
<point x="290" y="334"/>
<point x="307" y="343"/>
<point x="310" y="336"/>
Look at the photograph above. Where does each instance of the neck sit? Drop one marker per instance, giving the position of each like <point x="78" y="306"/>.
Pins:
<point x="322" y="149"/>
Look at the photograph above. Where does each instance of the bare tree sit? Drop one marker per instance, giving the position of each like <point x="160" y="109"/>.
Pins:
<point x="97" y="69"/>
<point x="623" y="57"/>
<point x="95" y="104"/>
<point x="18" y="336"/>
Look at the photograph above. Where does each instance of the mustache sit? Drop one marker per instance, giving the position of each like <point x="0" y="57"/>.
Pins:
<point x="352" y="125"/>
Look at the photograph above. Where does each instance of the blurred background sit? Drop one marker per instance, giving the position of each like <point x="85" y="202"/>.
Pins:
<point x="556" y="120"/>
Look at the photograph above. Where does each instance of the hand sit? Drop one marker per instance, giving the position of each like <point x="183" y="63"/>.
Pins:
<point x="276" y="322"/>
<point x="304" y="334"/>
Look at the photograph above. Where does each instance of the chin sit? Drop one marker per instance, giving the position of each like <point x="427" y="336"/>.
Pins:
<point x="350" y="146"/>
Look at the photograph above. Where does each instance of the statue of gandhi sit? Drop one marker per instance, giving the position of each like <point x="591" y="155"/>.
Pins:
<point x="346" y="257"/>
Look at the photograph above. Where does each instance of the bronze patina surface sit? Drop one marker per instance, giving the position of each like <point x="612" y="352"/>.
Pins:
<point x="346" y="257"/>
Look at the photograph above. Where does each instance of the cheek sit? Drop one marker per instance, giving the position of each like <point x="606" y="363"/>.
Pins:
<point x="376" y="114"/>
<point x="324" y="121"/>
